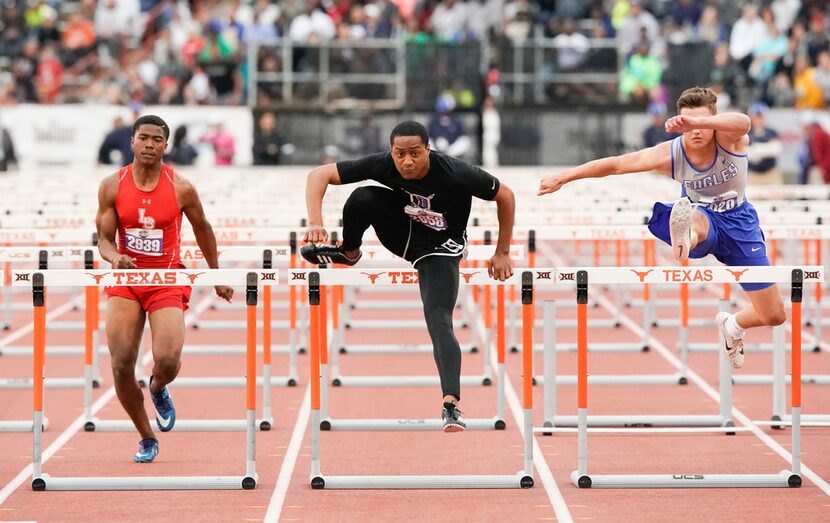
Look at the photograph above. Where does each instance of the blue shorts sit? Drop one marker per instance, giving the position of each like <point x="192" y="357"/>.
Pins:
<point x="735" y="237"/>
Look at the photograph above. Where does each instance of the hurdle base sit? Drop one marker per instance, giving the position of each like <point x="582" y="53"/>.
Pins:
<point x="405" y="381"/>
<point x="635" y="346"/>
<point x="49" y="383"/>
<point x="493" y="423"/>
<point x="766" y="379"/>
<point x="21" y="425"/>
<point x="618" y="379"/>
<point x="227" y="381"/>
<point x="45" y="482"/>
<point x="639" y="420"/>
<point x="393" y="348"/>
<point x="784" y="479"/>
<point x="520" y="480"/>
<point x="182" y="425"/>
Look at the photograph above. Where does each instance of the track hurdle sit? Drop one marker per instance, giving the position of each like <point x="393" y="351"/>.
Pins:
<point x="38" y="281"/>
<point x="314" y="280"/>
<point x="785" y="478"/>
<point x="400" y="277"/>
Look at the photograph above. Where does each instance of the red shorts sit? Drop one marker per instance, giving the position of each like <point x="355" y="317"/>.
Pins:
<point x="153" y="298"/>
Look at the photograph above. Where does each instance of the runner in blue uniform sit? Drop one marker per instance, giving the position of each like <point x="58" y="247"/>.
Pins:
<point x="712" y="215"/>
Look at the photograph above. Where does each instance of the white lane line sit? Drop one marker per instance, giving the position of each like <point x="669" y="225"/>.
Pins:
<point x="70" y="431"/>
<point x="287" y="468"/>
<point x="560" y="508"/>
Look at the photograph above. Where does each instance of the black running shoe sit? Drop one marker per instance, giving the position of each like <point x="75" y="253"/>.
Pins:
<point x="452" y="418"/>
<point x="319" y="254"/>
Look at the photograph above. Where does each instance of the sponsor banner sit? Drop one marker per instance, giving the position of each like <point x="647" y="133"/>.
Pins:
<point x="144" y="277"/>
<point x="71" y="134"/>
<point x="656" y="275"/>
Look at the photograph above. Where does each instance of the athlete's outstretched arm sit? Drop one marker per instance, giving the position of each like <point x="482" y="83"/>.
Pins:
<point x="202" y="230"/>
<point x="731" y="128"/>
<point x="657" y="158"/>
<point x="106" y="221"/>
<point x="500" y="266"/>
<point x="315" y="188"/>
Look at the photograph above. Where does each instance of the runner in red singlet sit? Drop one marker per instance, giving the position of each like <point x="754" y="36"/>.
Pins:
<point x="144" y="203"/>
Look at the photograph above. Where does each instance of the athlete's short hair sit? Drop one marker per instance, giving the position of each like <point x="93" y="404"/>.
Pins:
<point x="409" y="128"/>
<point x="151" y="119"/>
<point x="698" y="97"/>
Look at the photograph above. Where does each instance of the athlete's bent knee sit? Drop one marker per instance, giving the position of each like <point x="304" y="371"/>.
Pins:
<point x="167" y="366"/>
<point x="361" y="198"/>
<point x="774" y="317"/>
<point x="123" y="371"/>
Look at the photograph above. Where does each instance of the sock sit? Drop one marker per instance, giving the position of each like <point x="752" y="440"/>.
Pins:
<point x="733" y="329"/>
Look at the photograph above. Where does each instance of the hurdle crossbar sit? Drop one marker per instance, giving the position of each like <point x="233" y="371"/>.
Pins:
<point x="39" y="280"/>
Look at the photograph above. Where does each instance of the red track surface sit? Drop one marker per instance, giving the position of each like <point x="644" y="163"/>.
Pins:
<point x="472" y="452"/>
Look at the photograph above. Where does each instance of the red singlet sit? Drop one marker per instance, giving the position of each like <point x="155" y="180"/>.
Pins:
<point x="149" y="230"/>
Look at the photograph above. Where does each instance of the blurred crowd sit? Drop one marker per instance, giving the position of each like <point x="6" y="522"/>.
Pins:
<point x="194" y="52"/>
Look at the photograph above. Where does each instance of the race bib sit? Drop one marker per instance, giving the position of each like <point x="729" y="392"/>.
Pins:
<point x="725" y="202"/>
<point x="431" y="219"/>
<point x="149" y="242"/>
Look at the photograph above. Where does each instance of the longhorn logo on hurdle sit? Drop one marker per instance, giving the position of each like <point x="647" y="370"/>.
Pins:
<point x="737" y="274"/>
<point x="192" y="277"/>
<point x="373" y="277"/>
<point x="468" y="275"/>
<point x="97" y="277"/>
<point x="642" y="274"/>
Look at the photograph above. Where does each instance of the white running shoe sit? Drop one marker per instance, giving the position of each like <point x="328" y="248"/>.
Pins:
<point x="734" y="346"/>
<point x="680" y="228"/>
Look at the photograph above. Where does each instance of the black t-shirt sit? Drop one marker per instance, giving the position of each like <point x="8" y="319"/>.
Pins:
<point x="439" y="203"/>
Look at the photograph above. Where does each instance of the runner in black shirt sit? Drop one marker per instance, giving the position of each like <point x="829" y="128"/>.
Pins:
<point x="420" y="215"/>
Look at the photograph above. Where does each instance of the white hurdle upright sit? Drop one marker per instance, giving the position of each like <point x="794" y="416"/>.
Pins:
<point x="315" y="280"/>
<point x="796" y="276"/>
<point x="38" y="281"/>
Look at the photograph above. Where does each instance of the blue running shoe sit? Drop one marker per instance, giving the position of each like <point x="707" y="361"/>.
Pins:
<point x="165" y="411"/>
<point x="148" y="449"/>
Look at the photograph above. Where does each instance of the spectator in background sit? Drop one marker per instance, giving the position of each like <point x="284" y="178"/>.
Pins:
<point x="449" y="19"/>
<point x="656" y="132"/>
<point x="785" y="11"/>
<point x="725" y="71"/>
<point x="115" y="22"/>
<point x="822" y="75"/>
<point x="764" y="149"/>
<point x="747" y="33"/>
<point x="7" y="156"/>
<point x="183" y="152"/>
<point x="807" y="91"/>
<point x="268" y="142"/>
<point x="116" y="148"/>
<point x="767" y="53"/>
<point x="49" y="75"/>
<point x="446" y="130"/>
<point x="816" y="39"/>
<point x="686" y="13"/>
<point x="816" y="154"/>
<point x="637" y="20"/>
<point x="710" y="29"/>
<point x="780" y="91"/>
<point x="642" y="74"/>
<point x="571" y="47"/>
<point x="78" y="38"/>
<point x="490" y="133"/>
<point x="223" y="142"/>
